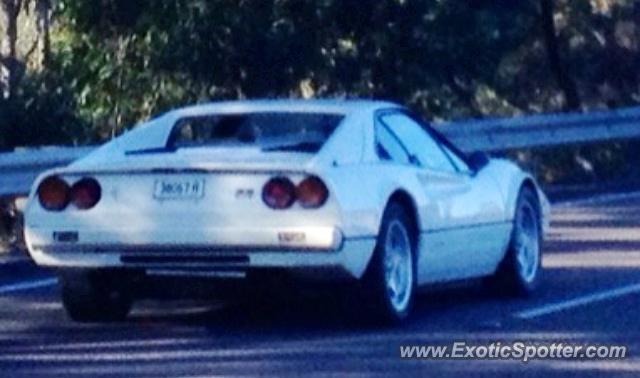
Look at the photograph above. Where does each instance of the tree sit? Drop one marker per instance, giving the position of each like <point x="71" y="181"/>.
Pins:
<point x="558" y="67"/>
<point x="37" y="22"/>
<point x="43" y="27"/>
<point x="9" y="65"/>
<point x="106" y="65"/>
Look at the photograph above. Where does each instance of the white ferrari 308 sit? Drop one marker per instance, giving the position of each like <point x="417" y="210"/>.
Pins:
<point x="360" y="193"/>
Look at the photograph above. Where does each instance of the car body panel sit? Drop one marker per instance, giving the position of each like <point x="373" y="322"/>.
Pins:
<point x="464" y="220"/>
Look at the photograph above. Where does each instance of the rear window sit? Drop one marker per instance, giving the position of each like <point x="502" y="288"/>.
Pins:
<point x="300" y="132"/>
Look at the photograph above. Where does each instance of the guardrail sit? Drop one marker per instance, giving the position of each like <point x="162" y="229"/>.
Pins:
<point x="18" y="169"/>
<point x="501" y="134"/>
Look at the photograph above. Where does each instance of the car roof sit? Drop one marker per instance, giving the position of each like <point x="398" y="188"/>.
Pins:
<point x="340" y="106"/>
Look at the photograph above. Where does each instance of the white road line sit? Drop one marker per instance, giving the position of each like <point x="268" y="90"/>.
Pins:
<point x="597" y="199"/>
<point x="9" y="260"/>
<point x="600" y="296"/>
<point x="27" y="285"/>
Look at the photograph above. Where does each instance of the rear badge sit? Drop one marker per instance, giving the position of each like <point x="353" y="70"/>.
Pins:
<point x="244" y="193"/>
<point x="291" y="237"/>
<point x="65" y="236"/>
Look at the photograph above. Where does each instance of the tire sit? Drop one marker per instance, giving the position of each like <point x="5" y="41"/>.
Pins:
<point x="94" y="297"/>
<point x="390" y="280"/>
<point x="519" y="272"/>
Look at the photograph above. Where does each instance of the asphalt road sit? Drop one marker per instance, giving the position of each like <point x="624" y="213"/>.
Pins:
<point x="590" y="294"/>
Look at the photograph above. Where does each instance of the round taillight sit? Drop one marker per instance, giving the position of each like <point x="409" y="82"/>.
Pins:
<point x="279" y="193"/>
<point x="312" y="192"/>
<point x="53" y="194"/>
<point x="85" y="193"/>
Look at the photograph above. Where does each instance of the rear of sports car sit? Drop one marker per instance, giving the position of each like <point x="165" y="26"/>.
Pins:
<point x="216" y="221"/>
<point x="196" y="207"/>
<point x="195" y="210"/>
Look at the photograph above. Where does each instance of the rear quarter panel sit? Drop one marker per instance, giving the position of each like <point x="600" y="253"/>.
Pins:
<point x="363" y="191"/>
<point x="510" y="179"/>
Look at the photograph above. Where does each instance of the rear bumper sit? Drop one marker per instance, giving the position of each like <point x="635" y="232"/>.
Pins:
<point x="323" y="253"/>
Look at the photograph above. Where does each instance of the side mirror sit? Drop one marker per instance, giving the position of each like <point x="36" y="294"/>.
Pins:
<point x="478" y="160"/>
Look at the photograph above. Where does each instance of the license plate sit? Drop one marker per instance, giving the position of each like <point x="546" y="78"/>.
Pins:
<point x="176" y="189"/>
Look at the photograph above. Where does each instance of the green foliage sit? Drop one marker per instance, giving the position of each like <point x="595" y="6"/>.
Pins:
<point x="116" y="62"/>
<point x="128" y="61"/>
<point x="42" y="112"/>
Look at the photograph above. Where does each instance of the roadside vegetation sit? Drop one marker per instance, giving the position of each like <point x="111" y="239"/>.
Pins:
<point x="81" y="71"/>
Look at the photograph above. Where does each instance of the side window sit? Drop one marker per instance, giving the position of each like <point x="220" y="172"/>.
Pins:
<point x="418" y="142"/>
<point x="388" y="147"/>
<point x="191" y="132"/>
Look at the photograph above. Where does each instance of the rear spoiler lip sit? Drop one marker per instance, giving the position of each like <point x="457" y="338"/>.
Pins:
<point x="155" y="150"/>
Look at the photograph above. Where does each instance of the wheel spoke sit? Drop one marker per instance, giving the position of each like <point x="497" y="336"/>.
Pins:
<point x="391" y="286"/>
<point x="397" y="264"/>
<point x="526" y="243"/>
<point x="522" y="260"/>
<point x="398" y="278"/>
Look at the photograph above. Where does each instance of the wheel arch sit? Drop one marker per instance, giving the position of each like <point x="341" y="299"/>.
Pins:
<point x="542" y="203"/>
<point x="404" y="199"/>
<point x="515" y="186"/>
<point x="530" y="184"/>
<point x="513" y="190"/>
